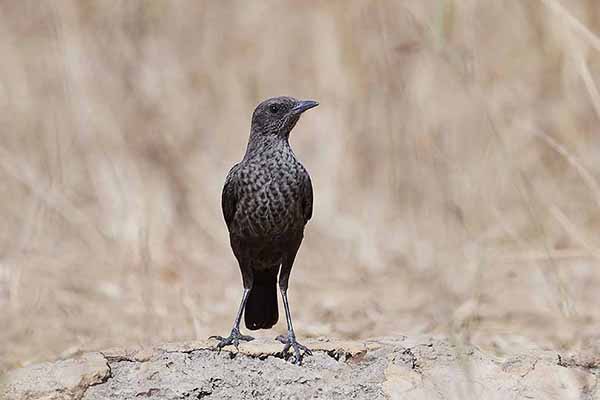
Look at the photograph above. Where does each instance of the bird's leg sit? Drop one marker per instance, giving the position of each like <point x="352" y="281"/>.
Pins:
<point x="290" y="339"/>
<point x="235" y="336"/>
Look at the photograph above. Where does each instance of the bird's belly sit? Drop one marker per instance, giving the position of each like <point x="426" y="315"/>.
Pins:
<point x="269" y="212"/>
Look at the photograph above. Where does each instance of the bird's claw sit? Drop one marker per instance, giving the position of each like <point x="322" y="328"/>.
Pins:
<point x="290" y="342"/>
<point x="233" y="339"/>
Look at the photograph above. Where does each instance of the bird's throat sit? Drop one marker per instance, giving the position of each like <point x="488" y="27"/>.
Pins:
<point x="263" y="145"/>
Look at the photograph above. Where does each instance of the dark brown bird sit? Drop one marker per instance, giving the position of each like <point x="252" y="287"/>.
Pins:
<point x="267" y="200"/>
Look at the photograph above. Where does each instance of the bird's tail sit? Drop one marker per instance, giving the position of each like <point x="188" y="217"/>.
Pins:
<point x="261" y="308"/>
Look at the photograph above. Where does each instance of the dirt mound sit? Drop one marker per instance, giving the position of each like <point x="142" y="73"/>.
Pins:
<point x="392" y="367"/>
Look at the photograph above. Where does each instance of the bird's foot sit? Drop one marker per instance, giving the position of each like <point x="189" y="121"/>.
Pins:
<point x="234" y="338"/>
<point x="290" y="341"/>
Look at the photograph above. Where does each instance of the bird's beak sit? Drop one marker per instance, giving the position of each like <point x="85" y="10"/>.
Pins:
<point x="304" y="105"/>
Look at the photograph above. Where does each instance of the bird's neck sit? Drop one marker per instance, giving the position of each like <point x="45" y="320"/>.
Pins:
<point x="266" y="145"/>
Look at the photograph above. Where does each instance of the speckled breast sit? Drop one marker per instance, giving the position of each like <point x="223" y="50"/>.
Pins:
<point x="269" y="197"/>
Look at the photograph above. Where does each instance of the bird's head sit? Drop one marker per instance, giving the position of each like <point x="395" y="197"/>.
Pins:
<point x="278" y="115"/>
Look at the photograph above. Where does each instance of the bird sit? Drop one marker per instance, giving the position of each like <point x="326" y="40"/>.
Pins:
<point x="267" y="200"/>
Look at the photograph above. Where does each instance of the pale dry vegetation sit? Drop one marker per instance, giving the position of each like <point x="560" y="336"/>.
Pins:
<point x="455" y="158"/>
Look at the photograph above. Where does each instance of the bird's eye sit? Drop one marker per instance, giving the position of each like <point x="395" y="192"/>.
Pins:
<point x="273" y="108"/>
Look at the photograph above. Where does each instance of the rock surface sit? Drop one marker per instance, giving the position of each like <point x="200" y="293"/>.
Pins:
<point x="384" y="368"/>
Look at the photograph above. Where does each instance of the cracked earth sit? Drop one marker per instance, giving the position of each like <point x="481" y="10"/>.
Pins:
<point x="383" y="368"/>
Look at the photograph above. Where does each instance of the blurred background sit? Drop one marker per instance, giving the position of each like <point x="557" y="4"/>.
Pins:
<point x="455" y="160"/>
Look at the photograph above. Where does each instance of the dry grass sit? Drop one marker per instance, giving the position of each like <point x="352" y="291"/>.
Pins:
<point x="455" y="158"/>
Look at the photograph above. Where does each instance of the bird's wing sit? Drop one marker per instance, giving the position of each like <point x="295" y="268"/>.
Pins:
<point x="228" y="197"/>
<point x="307" y="198"/>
